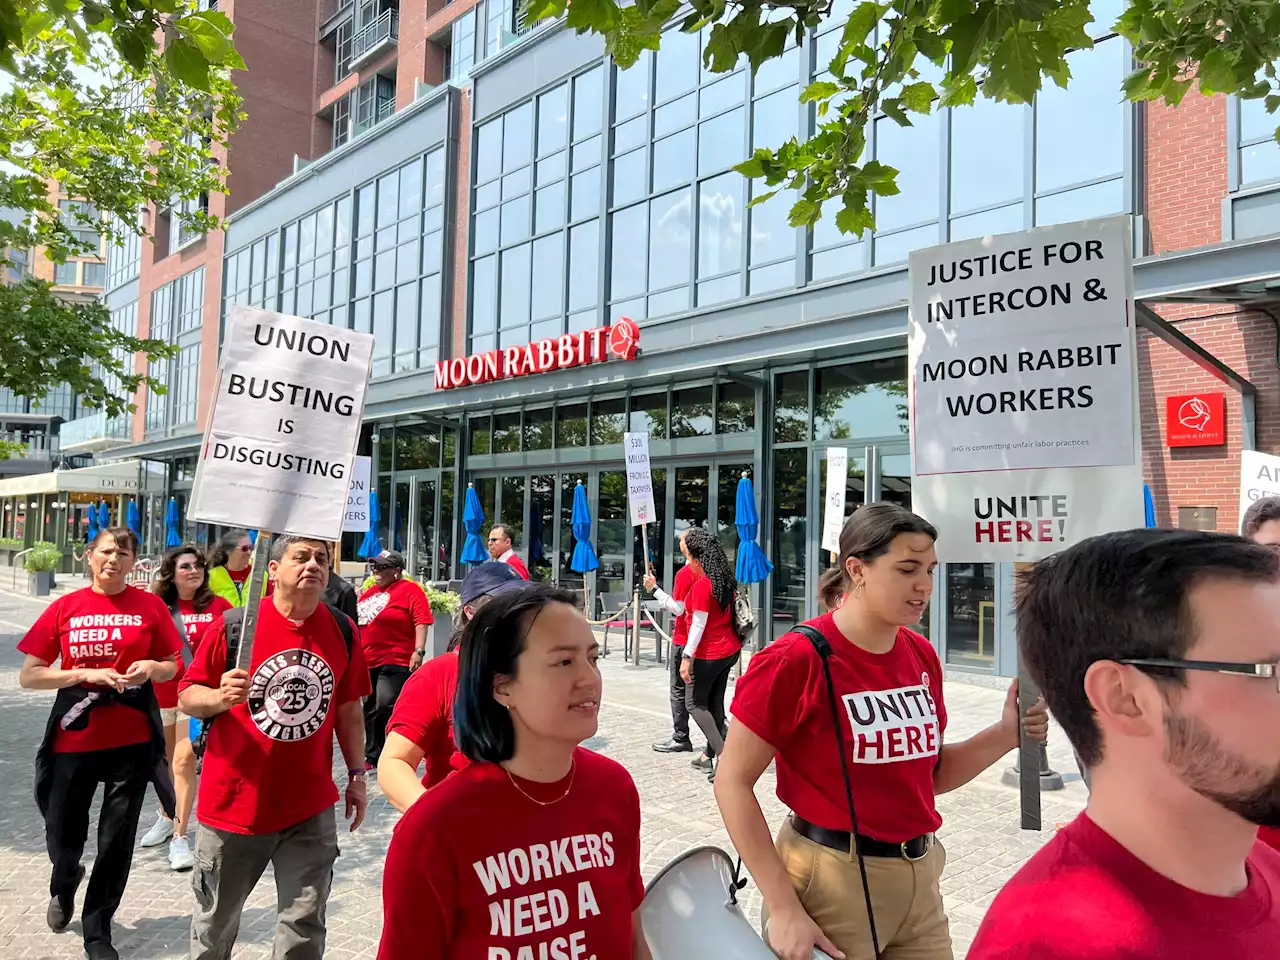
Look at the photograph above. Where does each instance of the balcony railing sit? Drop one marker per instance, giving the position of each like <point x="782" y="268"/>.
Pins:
<point x="375" y="38"/>
<point x="27" y="447"/>
<point x="93" y="433"/>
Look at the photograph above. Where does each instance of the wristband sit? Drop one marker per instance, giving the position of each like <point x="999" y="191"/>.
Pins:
<point x="357" y="776"/>
<point x="422" y="652"/>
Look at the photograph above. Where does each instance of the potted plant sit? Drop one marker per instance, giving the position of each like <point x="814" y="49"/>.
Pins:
<point x="446" y="607"/>
<point x="41" y="562"/>
<point x="54" y="551"/>
<point x="8" y="547"/>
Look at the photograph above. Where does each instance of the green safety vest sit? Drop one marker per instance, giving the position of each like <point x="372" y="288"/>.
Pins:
<point x="220" y="583"/>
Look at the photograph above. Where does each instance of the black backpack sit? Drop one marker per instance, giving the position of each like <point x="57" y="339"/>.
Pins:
<point x="233" y="622"/>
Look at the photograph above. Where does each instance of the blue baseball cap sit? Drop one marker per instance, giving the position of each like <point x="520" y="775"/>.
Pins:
<point x="489" y="578"/>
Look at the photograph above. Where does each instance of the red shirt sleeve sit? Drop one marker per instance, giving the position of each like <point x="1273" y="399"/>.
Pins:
<point x="44" y="639"/>
<point x="418" y="715"/>
<point x="636" y="882"/>
<point x="209" y="662"/>
<point x="418" y="893"/>
<point x="165" y="641"/>
<point x="355" y="679"/>
<point x="769" y="698"/>
<point x="419" y="608"/>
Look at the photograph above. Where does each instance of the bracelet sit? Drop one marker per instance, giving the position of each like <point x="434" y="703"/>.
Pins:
<point x="357" y="775"/>
<point x="422" y="652"/>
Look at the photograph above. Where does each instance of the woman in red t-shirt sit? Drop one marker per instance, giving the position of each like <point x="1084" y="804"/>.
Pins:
<point x="713" y="647"/>
<point x="534" y="848"/>
<point x="112" y="644"/>
<point x="888" y="682"/>
<point x="184" y="587"/>
<point x="395" y="629"/>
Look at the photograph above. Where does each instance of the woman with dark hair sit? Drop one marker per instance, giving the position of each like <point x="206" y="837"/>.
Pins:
<point x="889" y="718"/>
<point x="230" y="565"/>
<point x="113" y="644"/>
<point x="713" y="647"/>
<point x="182" y="585"/>
<point x="534" y="848"/>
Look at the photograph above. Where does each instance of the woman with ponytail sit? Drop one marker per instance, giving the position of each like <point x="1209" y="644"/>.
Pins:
<point x="856" y="866"/>
<point x="713" y="646"/>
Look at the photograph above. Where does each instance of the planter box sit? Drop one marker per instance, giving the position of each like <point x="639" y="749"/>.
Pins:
<point x="442" y="633"/>
<point x="40" y="583"/>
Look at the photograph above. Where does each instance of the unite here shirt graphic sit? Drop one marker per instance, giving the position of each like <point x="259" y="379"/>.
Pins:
<point x="893" y="720"/>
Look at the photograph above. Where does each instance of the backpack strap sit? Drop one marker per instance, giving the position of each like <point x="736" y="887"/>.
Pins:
<point x="823" y="648"/>
<point x="345" y="625"/>
<point x="187" y="653"/>
<point x="233" y="623"/>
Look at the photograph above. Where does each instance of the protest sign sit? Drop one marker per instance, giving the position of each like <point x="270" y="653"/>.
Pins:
<point x="1259" y="477"/>
<point x="1022" y="350"/>
<point x="285" y="422"/>
<point x="639" y="479"/>
<point x="833" y="514"/>
<point x="356" y="519"/>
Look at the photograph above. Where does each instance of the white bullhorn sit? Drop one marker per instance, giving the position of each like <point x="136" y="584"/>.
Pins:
<point x="690" y="912"/>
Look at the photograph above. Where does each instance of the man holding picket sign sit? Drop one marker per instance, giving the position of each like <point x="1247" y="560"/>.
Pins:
<point x="282" y="677"/>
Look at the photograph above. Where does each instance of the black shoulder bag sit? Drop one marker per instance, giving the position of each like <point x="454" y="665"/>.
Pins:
<point x="821" y="645"/>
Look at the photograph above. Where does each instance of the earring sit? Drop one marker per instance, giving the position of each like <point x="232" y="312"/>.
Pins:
<point x="859" y="590"/>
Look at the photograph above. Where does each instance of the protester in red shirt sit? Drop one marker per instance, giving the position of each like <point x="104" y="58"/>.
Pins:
<point x="1261" y="524"/>
<point x="182" y="585"/>
<point x="1157" y="652"/>
<point x="675" y="604"/>
<point x="266" y="789"/>
<point x="395" y="626"/>
<point x="713" y="647"/>
<point x="891" y="718"/>
<point x="113" y="644"/>
<point x="421" y="725"/>
<point x="502" y="549"/>
<point x="534" y="848"/>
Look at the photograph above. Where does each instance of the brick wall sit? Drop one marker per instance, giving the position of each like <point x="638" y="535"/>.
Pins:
<point x="1186" y="171"/>
<point x="461" y="237"/>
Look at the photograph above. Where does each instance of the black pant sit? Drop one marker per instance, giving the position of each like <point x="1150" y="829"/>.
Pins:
<point x="679" y="711"/>
<point x="124" y="773"/>
<point x="386" y="681"/>
<point x="705" y="699"/>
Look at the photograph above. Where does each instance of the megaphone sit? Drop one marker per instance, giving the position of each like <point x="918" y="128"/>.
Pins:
<point x="690" y="912"/>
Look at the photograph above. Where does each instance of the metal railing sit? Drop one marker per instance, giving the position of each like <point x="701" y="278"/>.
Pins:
<point x="13" y="579"/>
<point x="383" y="30"/>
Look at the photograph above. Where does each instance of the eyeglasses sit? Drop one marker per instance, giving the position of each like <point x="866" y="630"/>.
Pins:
<point x="244" y="548"/>
<point x="1265" y="671"/>
<point x="187" y="567"/>
<point x="495" y="539"/>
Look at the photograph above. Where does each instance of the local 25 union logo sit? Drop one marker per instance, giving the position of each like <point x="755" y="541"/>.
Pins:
<point x="623" y="337"/>
<point x="290" y="694"/>
<point x="1194" y="414"/>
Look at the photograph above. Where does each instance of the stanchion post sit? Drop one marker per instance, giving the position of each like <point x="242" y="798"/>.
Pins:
<point x="257" y="580"/>
<point x="635" y="627"/>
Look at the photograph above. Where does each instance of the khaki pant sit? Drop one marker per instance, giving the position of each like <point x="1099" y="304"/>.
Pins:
<point x="904" y="895"/>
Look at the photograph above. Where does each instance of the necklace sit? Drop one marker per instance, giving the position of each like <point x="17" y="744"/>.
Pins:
<point x="573" y="766"/>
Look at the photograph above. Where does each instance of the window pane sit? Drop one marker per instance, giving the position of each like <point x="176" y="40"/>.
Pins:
<point x="1080" y="131"/>
<point x="485" y="227"/>
<point x="515" y="287"/>
<point x="553" y="120"/>
<point x="649" y="414"/>
<point x="691" y="412"/>
<point x="515" y="220"/>
<point x="913" y="151"/>
<point x="841" y="261"/>
<point x="772" y="237"/>
<point x="895" y="247"/>
<point x="1095" y="201"/>
<point x="383" y="329"/>
<point x="673" y="160"/>
<point x="628" y="177"/>
<point x="584" y="263"/>
<point x="549" y="207"/>
<point x="986" y="154"/>
<point x="718" y="290"/>
<point x="407" y="321"/>
<point x="506" y="433"/>
<point x="608" y="421"/>
<point x="631" y="88"/>
<point x="517" y="137"/>
<point x="538" y="429"/>
<point x="722" y="94"/>
<point x="672" y="301"/>
<point x="776" y="119"/>
<point x="588" y="103"/>
<point x="722" y="141"/>
<point x="720" y="225"/>
<point x="1260" y="162"/>
<point x="481" y="430"/>
<point x="631" y="134"/>
<point x="781" y="71"/>
<point x="777" y="276"/>
<point x="861" y="400"/>
<point x="548" y="277"/>
<point x="676" y="115"/>
<point x="990" y="223"/>
<point x="489" y="151"/>
<point x="735" y="408"/>
<point x="630" y="243"/>
<point x="410" y="188"/>
<point x="571" y="426"/>
<point x="669" y="238"/>
<point x="484" y="295"/>
<point x="791" y="407"/>
<point x="677" y="68"/>
<point x="585" y="196"/>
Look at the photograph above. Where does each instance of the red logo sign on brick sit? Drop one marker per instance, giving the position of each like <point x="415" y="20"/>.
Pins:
<point x="1196" y="420"/>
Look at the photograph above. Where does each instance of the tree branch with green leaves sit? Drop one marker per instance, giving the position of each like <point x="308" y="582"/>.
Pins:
<point x="1003" y="50"/>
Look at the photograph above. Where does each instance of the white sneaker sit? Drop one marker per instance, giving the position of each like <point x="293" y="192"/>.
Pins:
<point x="160" y="831"/>
<point x="180" y="857"/>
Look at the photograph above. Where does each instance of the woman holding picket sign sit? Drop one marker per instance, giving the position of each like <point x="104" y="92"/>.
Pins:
<point x="856" y="684"/>
<point x="534" y="848"/>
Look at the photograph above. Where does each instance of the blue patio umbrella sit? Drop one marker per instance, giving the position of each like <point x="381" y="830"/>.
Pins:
<point x="1149" y="504"/>
<point x="397" y="537"/>
<point x="132" y="520"/>
<point x="473" y="550"/>
<point x="93" y="523"/>
<point x="537" y="552"/>
<point x="371" y="546"/>
<point x="104" y="515"/>
<point x="253" y="536"/>
<point x="753" y="566"/>
<point x="172" y="536"/>
<point x="584" y="557"/>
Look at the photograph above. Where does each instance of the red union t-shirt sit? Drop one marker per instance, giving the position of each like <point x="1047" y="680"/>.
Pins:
<point x="424" y="714"/>
<point x="388" y="616"/>
<point x="91" y="630"/>
<point x="718" y="639"/>
<point x="197" y="625"/>
<point x="893" y="719"/>
<point x="1083" y="896"/>
<point x="269" y="762"/>
<point x="685" y="579"/>
<point x="478" y="871"/>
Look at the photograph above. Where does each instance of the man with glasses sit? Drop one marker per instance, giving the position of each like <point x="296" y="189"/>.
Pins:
<point x="1157" y="651"/>
<point x="1261" y="524"/>
<point x="501" y="548"/>
<point x="421" y="725"/>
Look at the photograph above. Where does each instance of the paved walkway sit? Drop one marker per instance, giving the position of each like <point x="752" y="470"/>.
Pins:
<point x="981" y="833"/>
